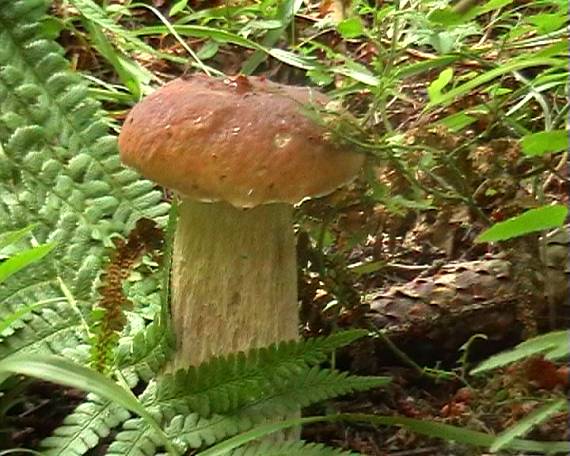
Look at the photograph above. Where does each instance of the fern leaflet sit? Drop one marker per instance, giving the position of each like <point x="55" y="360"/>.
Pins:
<point x="82" y="429"/>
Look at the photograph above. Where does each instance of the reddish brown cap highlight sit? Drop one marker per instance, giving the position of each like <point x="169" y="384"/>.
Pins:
<point x="243" y="140"/>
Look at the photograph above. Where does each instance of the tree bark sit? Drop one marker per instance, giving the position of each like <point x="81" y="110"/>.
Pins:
<point x="234" y="280"/>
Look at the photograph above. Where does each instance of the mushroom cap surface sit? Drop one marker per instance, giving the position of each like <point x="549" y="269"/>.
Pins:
<point x="244" y="140"/>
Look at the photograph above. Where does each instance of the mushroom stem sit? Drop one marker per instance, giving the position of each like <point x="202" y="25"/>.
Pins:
<point x="234" y="279"/>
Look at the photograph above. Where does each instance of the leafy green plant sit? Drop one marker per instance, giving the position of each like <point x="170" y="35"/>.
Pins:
<point x="552" y="345"/>
<point x="199" y="406"/>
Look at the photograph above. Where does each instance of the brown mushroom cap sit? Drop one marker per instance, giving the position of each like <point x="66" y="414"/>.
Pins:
<point x="242" y="140"/>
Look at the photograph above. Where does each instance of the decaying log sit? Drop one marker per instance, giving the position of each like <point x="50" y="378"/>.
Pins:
<point x="431" y="317"/>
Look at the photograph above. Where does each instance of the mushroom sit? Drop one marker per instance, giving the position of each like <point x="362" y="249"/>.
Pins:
<point x="240" y="152"/>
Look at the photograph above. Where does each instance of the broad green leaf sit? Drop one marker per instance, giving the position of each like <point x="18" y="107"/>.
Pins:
<point x="553" y="346"/>
<point x="24" y="258"/>
<point x="539" y="219"/>
<point x="446" y="17"/>
<point x="208" y="50"/>
<point x="64" y="372"/>
<point x="422" y="67"/>
<point x="547" y="23"/>
<point x="444" y="41"/>
<point x="545" y="142"/>
<point x="435" y="88"/>
<point x="527" y="423"/>
<point x="350" y="28"/>
<point x="492" y="5"/>
<point x="271" y="24"/>
<point x="367" y="267"/>
<point x="457" y="121"/>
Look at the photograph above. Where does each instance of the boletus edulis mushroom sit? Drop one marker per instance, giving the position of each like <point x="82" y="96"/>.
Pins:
<point x="239" y="152"/>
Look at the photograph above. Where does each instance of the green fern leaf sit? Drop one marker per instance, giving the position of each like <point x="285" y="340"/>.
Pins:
<point x="84" y="428"/>
<point x="48" y="329"/>
<point x="223" y="383"/>
<point x="144" y="354"/>
<point x="313" y="385"/>
<point x="60" y="169"/>
<point x="135" y="439"/>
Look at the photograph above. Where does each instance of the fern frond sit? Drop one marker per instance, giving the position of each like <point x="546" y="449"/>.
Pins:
<point x="194" y="431"/>
<point x="223" y="383"/>
<point x="60" y="169"/>
<point x="289" y="449"/>
<point x="313" y="385"/>
<point x="136" y="438"/>
<point x="47" y="330"/>
<point x="145" y="353"/>
<point x="84" y="428"/>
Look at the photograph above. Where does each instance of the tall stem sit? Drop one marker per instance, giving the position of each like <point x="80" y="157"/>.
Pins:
<point x="234" y="279"/>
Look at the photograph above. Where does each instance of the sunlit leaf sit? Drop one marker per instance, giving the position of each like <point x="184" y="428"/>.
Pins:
<point x="435" y="88"/>
<point x="545" y="142"/>
<point x="533" y="220"/>
<point x="547" y="23"/>
<point x="350" y="28"/>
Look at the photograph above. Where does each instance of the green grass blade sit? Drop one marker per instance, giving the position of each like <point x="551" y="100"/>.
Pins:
<point x="132" y="75"/>
<point x="429" y="428"/>
<point x="553" y="345"/>
<point x="464" y="89"/>
<point x="527" y="423"/>
<point x="222" y="448"/>
<point x="12" y="237"/>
